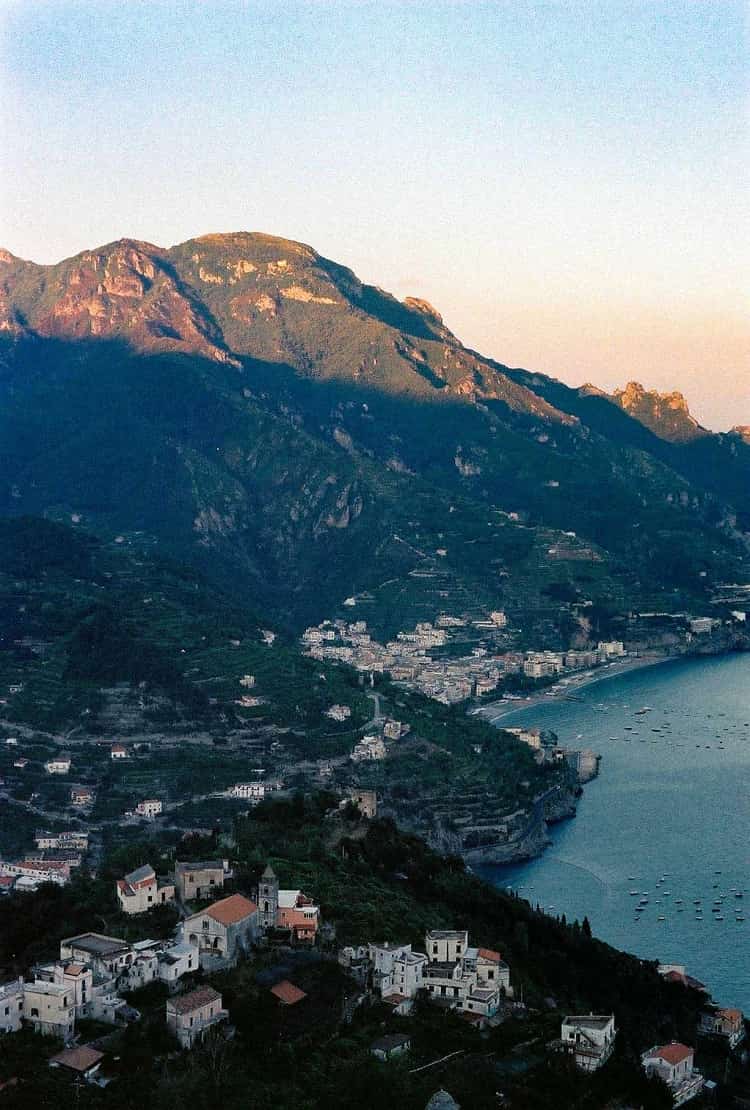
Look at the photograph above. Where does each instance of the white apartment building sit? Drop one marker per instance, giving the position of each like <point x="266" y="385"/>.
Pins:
<point x="590" y="1038"/>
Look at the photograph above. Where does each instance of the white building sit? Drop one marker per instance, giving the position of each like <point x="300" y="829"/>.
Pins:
<point x="673" y="1064"/>
<point x="492" y="970"/>
<point x="59" y="765"/>
<point x="190" y="1016"/>
<point x="65" y="839"/>
<point x="396" y="969"/>
<point x="446" y="945"/>
<point x="11" y="1006"/>
<point x="254" y="791"/>
<point x="49" y="1008"/>
<point x="81" y="796"/>
<point x="149" y="808"/>
<point x="141" y="890"/>
<point x="590" y="1038"/>
<point x="118" y="751"/>
<point x="178" y="960"/>
<point x="77" y="978"/>
<point x="369" y="748"/>
<point x="339" y="713"/>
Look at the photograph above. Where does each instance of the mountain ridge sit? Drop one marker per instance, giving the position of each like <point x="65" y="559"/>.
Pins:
<point x="261" y="411"/>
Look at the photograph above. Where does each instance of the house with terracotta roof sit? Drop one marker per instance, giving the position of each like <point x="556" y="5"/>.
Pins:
<point x="728" y="1024"/>
<point x="83" y="1061"/>
<point x="81" y="796"/>
<point x="77" y="977"/>
<point x="673" y="1064"/>
<point x="141" y="890"/>
<point x="492" y="970"/>
<point x="287" y="993"/>
<point x="299" y="914"/>
<point x="224" y="931"/>
<point x="589" y="1038"/>
<point x="118" y="751"/>
<point x="190" y="1016"/>
<point x="7" y="884"/>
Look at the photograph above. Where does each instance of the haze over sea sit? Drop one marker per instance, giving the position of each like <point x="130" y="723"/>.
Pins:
<point x="672" y="803"/>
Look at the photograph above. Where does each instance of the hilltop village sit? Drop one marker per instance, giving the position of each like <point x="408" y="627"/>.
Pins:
<point x="416" y="1011"/>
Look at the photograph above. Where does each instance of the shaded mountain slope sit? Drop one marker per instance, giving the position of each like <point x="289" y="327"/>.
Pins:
<point x="303" y="437"/>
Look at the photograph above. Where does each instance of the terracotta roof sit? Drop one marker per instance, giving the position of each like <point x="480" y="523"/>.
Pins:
<point x="287" y="993"/>
<point x="186" y="1003"/>
<point x="490" y="954"/>
<point x="232" y="909"/>
<point x="74" y="969"/>
<point x="296" y="919"/>
<point x="731" y="1015"/>
<point x="79" y="1059"/>
<point x="673" y="1053"/>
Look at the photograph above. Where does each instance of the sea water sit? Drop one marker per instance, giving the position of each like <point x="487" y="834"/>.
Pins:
<point x="668" y="817"/>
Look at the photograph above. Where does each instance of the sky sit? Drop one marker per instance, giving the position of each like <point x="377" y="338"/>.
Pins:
<point x="566" y="182"/>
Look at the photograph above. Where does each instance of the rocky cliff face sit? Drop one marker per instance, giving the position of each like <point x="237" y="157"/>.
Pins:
<point x="471" y="828"/>
<point x="666" y="414"/>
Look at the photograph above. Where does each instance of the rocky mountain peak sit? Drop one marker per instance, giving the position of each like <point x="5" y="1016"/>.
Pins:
<point x="666" y="414"/>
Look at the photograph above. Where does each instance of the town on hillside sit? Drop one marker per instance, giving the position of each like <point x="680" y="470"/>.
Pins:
<point x="82" y="1000"/>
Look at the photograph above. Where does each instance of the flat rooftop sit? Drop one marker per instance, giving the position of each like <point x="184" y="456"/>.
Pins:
<point x="96" y="944"/>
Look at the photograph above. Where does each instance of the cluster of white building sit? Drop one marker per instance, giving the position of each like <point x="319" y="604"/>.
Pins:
<point x="590" y="1040"/>
<point x="450" y="971"/>
<point x="93" y="970"/>
<point x="447" y="679"/>
<point x="55" y="857"/>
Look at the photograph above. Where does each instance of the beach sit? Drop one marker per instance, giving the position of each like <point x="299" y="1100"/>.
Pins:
<point x="494" y="711"/>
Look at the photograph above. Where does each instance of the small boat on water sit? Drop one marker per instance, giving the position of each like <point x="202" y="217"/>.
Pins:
<point x="634" y="893"/>
<point x="661" y="919"/>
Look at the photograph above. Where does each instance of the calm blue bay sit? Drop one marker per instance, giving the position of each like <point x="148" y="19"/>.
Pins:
<point x="668" y="817"/>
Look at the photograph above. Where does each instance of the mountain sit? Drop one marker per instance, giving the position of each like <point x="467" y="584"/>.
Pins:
<point x="242" y="403"/>
<point x="666" y="414"/>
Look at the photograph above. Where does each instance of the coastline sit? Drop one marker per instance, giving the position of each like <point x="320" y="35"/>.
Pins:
<point x="492" y="712"/>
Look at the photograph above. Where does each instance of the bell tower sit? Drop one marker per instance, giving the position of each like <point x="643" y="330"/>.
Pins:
<point x="268" y="898"/>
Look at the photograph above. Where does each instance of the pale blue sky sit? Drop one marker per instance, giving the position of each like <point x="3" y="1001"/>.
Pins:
<point x="566" y="182"/>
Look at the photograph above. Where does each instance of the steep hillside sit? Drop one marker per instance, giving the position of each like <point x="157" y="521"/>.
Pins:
<point x="247" y="405"/>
